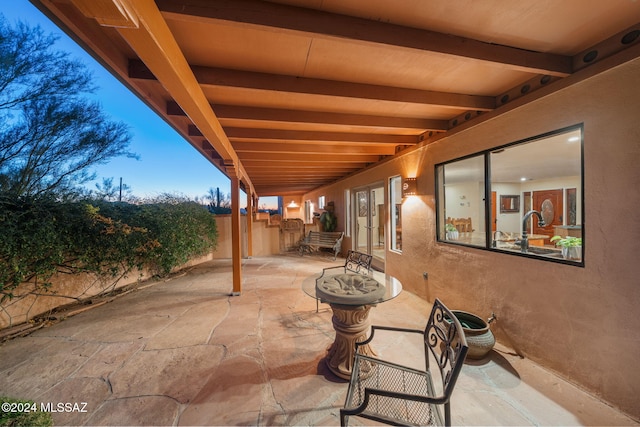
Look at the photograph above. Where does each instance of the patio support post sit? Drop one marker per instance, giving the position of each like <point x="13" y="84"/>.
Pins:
<point x="250" y="205"/>
<point x="236" y="234"/>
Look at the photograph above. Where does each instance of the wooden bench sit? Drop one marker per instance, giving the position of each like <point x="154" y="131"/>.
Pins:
<point x="321" y="239"/>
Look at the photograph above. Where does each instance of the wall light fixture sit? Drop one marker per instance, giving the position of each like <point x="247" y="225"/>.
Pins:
<point x="409" y="187"/>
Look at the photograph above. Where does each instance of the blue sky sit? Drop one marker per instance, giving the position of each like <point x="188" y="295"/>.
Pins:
<point x="168" y="163"/>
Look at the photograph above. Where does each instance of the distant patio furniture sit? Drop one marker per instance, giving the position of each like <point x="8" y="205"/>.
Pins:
<point x="322" y="239"/>
<point x="291" y="232"/>
<point x="391" y="393"/>
<point x="275" y="219"/>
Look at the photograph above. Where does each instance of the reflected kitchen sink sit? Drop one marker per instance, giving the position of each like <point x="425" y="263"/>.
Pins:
<point x="537" y="250"/>
<point x="543" y="251"/>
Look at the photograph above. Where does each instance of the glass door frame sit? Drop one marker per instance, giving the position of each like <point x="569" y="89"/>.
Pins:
<point x="365" y="206"/>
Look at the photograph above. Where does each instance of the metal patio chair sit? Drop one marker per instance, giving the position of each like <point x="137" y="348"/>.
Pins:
<point x="390" y="393"/>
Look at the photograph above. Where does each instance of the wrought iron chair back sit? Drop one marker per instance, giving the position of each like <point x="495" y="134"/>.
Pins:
<point x="447" y="343"/>
<point x="394" y="394"/>
<point x="358" y="262"/>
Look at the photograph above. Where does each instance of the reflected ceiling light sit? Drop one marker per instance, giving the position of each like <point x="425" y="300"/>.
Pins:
<point x="574" y="139"/>
<point x="409" y="187"/>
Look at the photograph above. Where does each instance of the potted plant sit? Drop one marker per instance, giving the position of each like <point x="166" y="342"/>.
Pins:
<point x="571" y="246"/>
<point x="328" y="219"/>
<point x="451" y="232"/>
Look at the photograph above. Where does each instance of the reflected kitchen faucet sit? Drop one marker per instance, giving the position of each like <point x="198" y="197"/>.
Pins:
<point x="524" y="243"/>
<point x="494" y="242"/>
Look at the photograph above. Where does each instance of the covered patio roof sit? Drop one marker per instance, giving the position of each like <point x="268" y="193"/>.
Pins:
<point x="289" y="95"/>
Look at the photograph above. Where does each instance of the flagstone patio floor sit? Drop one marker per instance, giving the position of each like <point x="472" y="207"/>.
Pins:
<point x="183" y="351"/>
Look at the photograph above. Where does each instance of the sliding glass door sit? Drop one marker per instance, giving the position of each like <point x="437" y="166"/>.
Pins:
<point x="370" y="219"/>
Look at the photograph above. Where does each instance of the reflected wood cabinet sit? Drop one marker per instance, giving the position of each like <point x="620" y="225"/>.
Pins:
<point x="509" y="204"/>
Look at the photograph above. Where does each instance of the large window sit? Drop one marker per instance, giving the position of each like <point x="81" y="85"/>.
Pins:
<point x="523" y="198"/>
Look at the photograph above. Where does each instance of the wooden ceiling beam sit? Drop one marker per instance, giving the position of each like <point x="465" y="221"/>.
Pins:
<point x="317" y="117"/>
<point x="245" y="134"/>
<point x="292" y="186"/>
<point x="323" y="149"/>
<point x="298" y="180"/>
<point x="294" y="180"/>
<point x="327" y="176"/>
<point x="341" y="167"/>
<point x="320" y="24"/>
<point x="286" y="191"/>
<point x="293" y="172"/>
<point x="253" y="164"/>
<point x="311" y="158"/>
<point x="111" y="13"/>
<point x="259" y="114"/>
<point x="267" y="177"/>
<point x="313" y="171"/>
<point x="223" y="77"/>
<point x="284" y="136"/>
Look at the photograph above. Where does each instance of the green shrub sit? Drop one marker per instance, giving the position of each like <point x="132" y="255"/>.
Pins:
<point x="13" y="418"/>
<point x="176" y="231"/>
<point x="41" y="236"/>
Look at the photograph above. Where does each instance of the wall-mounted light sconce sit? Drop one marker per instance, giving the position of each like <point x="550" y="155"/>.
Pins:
<point x="292" y="205"/>
<point x="409" y="187"/>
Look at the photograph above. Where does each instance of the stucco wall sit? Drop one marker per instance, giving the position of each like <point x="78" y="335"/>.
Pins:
<point x="265" y="237"/>
<point x="67" y="289"/>
<point x="579" y="322"/>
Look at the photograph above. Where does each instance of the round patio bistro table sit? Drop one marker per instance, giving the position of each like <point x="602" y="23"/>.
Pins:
<point x="350" y="296"/>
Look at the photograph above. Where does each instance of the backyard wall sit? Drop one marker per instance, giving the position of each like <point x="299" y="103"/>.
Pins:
<point x="579" y="322"/>
<point x="67" y="289"/>
<point x="265" y="237"/>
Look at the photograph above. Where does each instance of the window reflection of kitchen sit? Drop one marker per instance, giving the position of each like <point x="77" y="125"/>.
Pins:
<point x="524" y="176"/>
<point x="547" y="173"/>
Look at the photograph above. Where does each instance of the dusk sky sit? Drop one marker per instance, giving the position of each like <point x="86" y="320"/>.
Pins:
<point x="168" y="163"/>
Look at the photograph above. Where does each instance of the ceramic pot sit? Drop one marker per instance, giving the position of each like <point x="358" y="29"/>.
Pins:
<point x="572" y="252"/>
<point x="479" y="337"/>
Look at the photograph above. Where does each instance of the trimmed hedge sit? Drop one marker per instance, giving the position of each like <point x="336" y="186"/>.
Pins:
<point x="41" y="237"/>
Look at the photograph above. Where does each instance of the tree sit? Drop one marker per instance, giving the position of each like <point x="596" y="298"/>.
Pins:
<point x="51" y="134"/>
<point x="111" y="192"/>
<point x="219" y="203"/>
<point x="218" y="199"/>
